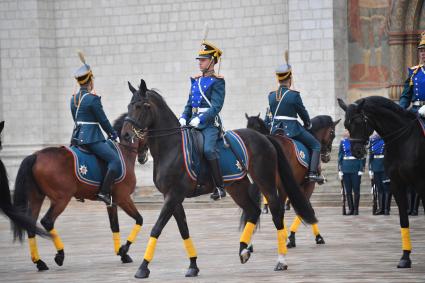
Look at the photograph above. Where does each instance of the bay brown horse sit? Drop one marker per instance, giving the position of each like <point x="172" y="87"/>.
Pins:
<point x="17" y="217"/>
<point x="323" y="129"/>
<point x="404" y="159"/>
<point x="154" y="122"/>
<point x="50" y="172"/>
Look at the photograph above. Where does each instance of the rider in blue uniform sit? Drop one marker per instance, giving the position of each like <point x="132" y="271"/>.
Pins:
<point x="351" y="170"/>
<point x="206" y="98"/>
<point x="89" y="118"/>
<point x="377" y="172"/>
<point x="285" y="105"/>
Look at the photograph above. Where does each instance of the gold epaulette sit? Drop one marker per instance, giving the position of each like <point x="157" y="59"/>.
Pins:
<point x="294" y="90"/>
<point x="218" y="76"/>
<point x="196" y="76"/>
<point x="415" y="69"/>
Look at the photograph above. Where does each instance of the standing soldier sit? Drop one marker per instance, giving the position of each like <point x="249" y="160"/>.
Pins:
<point x="350" y="170"/>
<point x="285" y="105"/>
<point x="89" y="118"/>
<point x="377" y="172"/>
<point x="206" y="98"/>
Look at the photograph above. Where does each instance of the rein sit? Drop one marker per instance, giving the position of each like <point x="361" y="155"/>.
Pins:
<point x="146" y="133"/>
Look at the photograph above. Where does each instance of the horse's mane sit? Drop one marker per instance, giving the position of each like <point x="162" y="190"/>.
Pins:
<point x="320" y="122"/>
<point x="119" y="123"/>
<point x="375" y="103"/>
<point x="152" y="94"/>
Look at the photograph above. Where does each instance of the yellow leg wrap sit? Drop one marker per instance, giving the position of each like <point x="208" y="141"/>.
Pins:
<point x="33" y="249"/>
<point x="150" y="249"/>
<point x="281" y="242"/>
<point x="247" y="233"/>
<point x="405" y="239"/>
<point x="136" y="229"/>
<point x="56" y="239"/>
<point x="190" y="248"/>
<point x="315" y="229"/>
<point x="295" y="224"/>
<point x="265" y="200"/>
<point x="117" y="241"/>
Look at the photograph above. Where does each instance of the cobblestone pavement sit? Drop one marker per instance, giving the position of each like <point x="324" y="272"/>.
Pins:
<point x="364" y="248"/>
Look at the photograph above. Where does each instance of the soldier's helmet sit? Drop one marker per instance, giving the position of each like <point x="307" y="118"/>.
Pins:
<point x="84" y="73"/>
<point x="422" y="42"/>
<point x="208" y="51"/>
<point x="284" y="71"/>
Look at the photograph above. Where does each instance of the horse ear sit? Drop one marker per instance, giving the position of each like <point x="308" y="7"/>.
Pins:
<point x="342" y="104"/>
<point x="336" y="122"/>
<point x="1" y="126"/>
<point x="360" y="104"/>
<point x="259" y="113"/>
<point x="143" y="88"/>
<point x="132" y="89"/>
<point x="246" y="115"/>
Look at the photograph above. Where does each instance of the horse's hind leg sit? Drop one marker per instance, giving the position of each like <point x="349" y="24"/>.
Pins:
<point x="48" y="221"/>
<point x="180" y="217"/>
<point x="129" y="208"/>
<point x="36" y="200"/>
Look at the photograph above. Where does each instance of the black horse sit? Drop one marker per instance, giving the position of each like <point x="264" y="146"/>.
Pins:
<point x="404" y="150"/>
<point x="18" y="217"/>
<point x="154" y="122"/>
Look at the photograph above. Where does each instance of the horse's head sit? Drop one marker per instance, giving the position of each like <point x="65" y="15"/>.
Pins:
<point x="357" y="124"/>
<point x="256" y="123"/>
<point x="324" y="131"/>
<point x="1" y="129"/>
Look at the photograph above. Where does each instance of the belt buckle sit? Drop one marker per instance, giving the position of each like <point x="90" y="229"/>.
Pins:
<point x="194" y="110"/>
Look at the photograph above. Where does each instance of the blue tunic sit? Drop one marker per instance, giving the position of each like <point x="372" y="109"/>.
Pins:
<point x="416" y="91"/>
<point x="347" y="163"/>
<point x="376" y="154"/>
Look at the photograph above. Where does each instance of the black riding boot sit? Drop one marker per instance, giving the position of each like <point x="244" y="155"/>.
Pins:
<point x="104" y="193"/>
<point x="356" y="203"/>
<point x="219" y="191"/>
<point x="387" y="204"/>
<point x="381" y="203"/>
<point x="313" y="174"/>
<point x="350" y="204"/>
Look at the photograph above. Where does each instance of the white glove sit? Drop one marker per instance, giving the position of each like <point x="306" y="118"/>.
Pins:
<point x="340" y="174"/>
<point x="370" y="173"/>
<point x="360" y="173"/>
<point x="182" y="122"/>
<point x="421" y="111"/>
<point x="195" y="122"/>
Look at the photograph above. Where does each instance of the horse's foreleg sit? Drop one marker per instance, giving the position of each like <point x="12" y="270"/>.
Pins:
<point x="35" y="205"/>
<point x="48" y="221"/>
<point x="308" y="191"/>
<point x="171" y="201"/>
<point x="401" y="199"/>
<point x="276" y="208"/>
<point x="180" y="217"/>
<point x="293" y="229"/>
<point x="129" y="207"/>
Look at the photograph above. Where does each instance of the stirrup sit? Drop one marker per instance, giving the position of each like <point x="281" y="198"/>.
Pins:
<point x="312" y="177"/>
<point x="107" y="199"/>
<point x="219" y="193"/>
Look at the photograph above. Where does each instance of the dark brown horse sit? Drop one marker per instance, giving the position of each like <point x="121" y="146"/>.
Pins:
<point x="17" y="217"/>
<point x="50" y="172"/>
<point x="154" y="121"/>
<point x="323" y="129"/>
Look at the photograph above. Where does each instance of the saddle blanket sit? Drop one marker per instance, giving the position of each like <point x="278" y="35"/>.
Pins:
<point x="230" y="166"/>
<point x="301" y="151"/>
<point x="89" y="169"/>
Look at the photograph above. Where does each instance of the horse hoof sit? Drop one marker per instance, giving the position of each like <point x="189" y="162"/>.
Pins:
<point x="142" y="272"/>
<point x="320" y="240"/>
<point x="244" y="255"/>
<point x="59" y="257"/>
<point x="126" y="259"/>
<point x="250" y="248"/>
<point x="404" y="263"/>
<point x="280" y="266"/>
<point x="41" y="265"/>
<point x="192" y="272"/>
<point x="123" y="250"/>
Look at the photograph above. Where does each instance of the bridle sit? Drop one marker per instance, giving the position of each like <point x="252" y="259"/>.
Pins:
<point x="143" y="133"/>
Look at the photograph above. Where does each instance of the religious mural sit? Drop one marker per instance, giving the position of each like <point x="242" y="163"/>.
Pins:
<point x="368" y="22"/>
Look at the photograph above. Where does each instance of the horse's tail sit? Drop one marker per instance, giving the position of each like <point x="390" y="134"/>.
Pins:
<point x="20" y="210"/>
<point x="301" y="205"/>
<point x="255" y="196"/>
